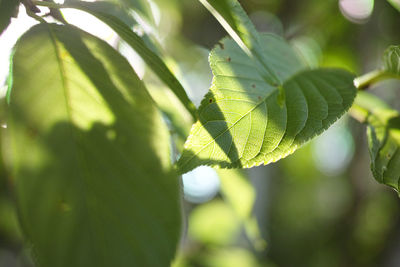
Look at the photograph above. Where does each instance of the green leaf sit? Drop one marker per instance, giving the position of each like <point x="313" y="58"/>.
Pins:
<point x="138" y="44"/>
<point x="391" y="60"/>
<point x="239" y="193"/>
<point x="245" y="122"/>
<point x="383" y="131"/>
<point x="395" y="4"/>
<point x="8" y="9"/>
<point x="234" y="19"/>
<point x="90" y="155"/>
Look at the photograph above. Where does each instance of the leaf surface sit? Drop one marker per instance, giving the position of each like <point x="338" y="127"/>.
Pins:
<point x="245" y="122"/>
<point x="234" y="19"/>
<point x="90" y="155"/>
<point x="383" y="132"/>
<point x="155" y="63"/>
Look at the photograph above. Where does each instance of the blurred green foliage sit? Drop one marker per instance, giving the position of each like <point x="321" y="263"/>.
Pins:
<point x="306" y="215"/>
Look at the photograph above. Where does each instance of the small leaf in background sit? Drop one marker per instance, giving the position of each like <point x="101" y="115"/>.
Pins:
<point x="245" y="122"/>
<point x="8" y="9"/>
<point x="90" y="155"/>
<point x="179" y="118"/>
<point x="391" y="59"/>
<point x="214" y="223"/>
<point x="234" y="19"/>
<point x="383" y="131"/>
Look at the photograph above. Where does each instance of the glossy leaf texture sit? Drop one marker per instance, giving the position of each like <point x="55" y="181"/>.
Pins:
<point x="90" y="155"/>
<point x="8" y="9"/>
<point x="245" y="122"/>
<point x="391" y="59"/>
<point x="383" y="131"/>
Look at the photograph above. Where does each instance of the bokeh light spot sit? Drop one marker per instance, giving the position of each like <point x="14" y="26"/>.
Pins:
<point x="201" y="184"/>
<point x="357" y="11"/>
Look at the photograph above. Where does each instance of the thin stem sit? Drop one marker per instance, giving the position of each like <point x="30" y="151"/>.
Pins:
<point x="31" y="9"/>
<point x="368" y="79"/>
<point x="30" y="6"/>
<point x="33" y="15"/>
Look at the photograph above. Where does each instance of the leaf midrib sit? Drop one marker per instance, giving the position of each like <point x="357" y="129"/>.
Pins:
<point x="250" y="110"/>
<point x="61" y="67"/>
<point x="233" y="124"/>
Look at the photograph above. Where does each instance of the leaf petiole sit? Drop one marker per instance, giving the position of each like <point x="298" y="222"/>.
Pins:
<point x="365" y="81"/>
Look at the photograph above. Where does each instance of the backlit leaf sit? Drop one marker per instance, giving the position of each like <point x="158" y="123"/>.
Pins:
<point x="155" y="63"/>
<point x="383" y="130"/>
<point x="234" y="19"/>
<point x="245" y="122"/>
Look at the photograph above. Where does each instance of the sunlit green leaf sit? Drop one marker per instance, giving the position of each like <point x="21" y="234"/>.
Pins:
<point x="234" y="19"/>
<point x="90" y="155"/>
<point x="138" y="44"/>
<point x="383" y="130"/>
<point x="245" y="122"/>
<point x="7" y="10"/>
<point x="177" y="115"/>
